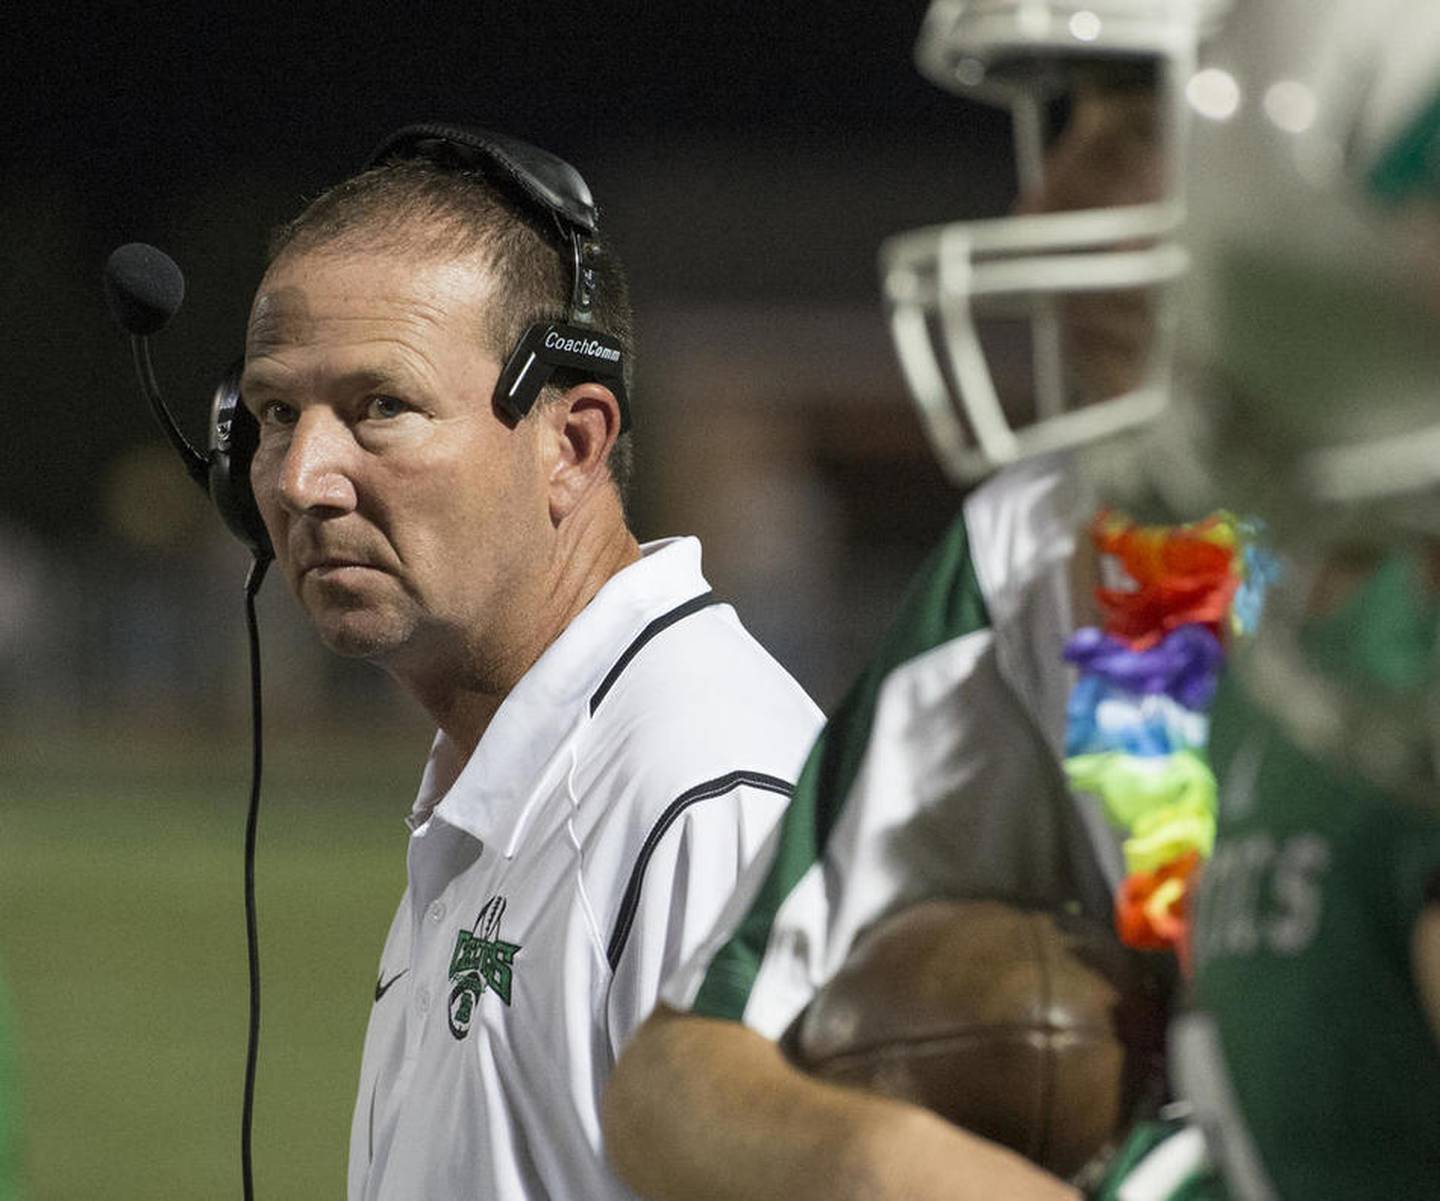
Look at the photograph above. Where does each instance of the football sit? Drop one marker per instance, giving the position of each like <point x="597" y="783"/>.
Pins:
<point x="1035" y="1030"/>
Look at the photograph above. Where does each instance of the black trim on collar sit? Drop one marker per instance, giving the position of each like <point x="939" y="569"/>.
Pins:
<point x="630" y="902"/>
<point x="664" y="621"/>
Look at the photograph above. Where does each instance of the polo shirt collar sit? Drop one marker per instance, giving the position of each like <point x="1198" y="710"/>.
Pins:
<point x="491" y="796"/>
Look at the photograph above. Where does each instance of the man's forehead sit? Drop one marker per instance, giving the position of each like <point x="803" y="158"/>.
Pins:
<point x="314" y="297"/>
<point x="280" y="315"/>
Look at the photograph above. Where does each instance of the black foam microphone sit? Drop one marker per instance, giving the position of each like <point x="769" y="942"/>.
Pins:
<point x="144" y="289"/>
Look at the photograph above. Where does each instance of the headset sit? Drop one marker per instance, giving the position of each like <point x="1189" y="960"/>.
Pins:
<point x="541" y="186"/>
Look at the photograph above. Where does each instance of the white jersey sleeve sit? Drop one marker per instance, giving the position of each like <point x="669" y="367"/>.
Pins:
<point x="685" y="871"/>
<point x="938" y="776"/>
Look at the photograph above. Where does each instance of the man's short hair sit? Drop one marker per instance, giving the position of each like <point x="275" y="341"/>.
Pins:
<point x="421" y="208"/>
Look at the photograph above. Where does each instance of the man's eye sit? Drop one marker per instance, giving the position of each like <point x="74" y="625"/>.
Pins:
<point x="277" y="412"/>
<point x="384" y="407"/>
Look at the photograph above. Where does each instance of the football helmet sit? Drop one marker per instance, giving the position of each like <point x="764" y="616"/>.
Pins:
<point x="952" y="291"/>
<point x="1309" y="362"/>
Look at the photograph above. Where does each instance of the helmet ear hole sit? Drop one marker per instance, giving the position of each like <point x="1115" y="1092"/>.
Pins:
<point x="234" y="435"/>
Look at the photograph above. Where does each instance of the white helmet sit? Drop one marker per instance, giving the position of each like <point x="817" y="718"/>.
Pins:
<point x="940" y="282"/>
<point x="1310" y="355"/>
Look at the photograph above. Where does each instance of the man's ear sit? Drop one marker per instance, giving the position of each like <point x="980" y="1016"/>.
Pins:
<point x="583" y="425"/>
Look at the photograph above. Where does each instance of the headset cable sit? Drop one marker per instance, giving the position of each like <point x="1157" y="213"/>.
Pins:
<point x="253" y="581"/>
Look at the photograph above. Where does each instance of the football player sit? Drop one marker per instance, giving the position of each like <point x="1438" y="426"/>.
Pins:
<point x="1313" y="338"/>
<point x="947" y="770"/>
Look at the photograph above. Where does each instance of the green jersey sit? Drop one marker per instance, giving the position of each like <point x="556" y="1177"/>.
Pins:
<point x="1308" y="1056"/>
<point x="1165" y="1159"/>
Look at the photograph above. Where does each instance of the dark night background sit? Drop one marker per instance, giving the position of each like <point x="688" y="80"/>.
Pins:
<point x="740" y="152"/>
<point x="748" y="160"/>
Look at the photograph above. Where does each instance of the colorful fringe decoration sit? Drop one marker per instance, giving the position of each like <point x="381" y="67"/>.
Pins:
<point x="1138" y="718"/>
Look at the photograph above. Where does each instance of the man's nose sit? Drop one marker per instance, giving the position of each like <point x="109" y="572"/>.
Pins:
<point x="316" y="476"/>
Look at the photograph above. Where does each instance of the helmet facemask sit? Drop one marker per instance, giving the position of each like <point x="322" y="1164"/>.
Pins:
<point x="1053" y="327"/>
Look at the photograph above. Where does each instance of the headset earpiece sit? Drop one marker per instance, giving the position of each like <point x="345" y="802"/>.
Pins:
<point x="234" y="435"/>
<point x="551" y="346"/>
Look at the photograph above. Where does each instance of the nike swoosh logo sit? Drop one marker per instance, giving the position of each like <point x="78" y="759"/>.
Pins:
<point x="382" y="989"/>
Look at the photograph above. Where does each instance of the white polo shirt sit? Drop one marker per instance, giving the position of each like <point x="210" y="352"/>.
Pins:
<point x="557" y="877"/>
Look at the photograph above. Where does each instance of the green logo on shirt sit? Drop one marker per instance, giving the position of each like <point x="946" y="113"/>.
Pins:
<point x="481" y="960"/>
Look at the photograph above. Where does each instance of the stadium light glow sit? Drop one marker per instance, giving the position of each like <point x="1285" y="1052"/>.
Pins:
<point x="1291" y="106"/>
<point x="1085" y="26"/>
<point x="1214" y="93"/>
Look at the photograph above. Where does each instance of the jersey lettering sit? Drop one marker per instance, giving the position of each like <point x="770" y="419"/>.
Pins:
<point x="1260" y="896"/>
<point x="1303" y="861"/>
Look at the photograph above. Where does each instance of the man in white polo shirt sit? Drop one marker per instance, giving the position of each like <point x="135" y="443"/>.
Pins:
<point x="437" y="359"/>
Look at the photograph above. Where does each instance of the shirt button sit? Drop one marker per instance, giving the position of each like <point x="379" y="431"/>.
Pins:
<point x="437" y="912"/>
<point x="422" y="1000"/>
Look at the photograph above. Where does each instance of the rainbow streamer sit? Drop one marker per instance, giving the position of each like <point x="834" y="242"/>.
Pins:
<point x="1138" y="720"/>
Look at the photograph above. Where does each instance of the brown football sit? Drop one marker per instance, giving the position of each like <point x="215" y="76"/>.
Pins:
<point x="1036" y="1030"/>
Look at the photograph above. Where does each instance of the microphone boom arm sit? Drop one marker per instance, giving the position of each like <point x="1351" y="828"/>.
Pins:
<point x="197" y="465"/>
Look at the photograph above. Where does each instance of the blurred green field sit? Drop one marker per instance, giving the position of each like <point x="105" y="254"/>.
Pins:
<point x="122" y="941"/>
